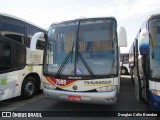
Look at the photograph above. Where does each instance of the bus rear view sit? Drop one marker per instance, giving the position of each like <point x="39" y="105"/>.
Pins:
<point x="81" y="61"/>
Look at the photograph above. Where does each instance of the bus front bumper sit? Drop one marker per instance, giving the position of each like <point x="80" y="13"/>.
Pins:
<point x="82" y="97"/>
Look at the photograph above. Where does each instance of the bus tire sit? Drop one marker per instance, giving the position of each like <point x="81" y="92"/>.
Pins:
<point x="29" y="87"/>
<point x="145" y="99"/>
<point x="132" y="79"/>
<point x="124" y="71"/>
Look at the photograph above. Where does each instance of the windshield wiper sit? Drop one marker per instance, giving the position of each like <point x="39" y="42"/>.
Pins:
<point x="74" y="53"/>
<point x="85" y="64"/>
<point x="64" y="63"/>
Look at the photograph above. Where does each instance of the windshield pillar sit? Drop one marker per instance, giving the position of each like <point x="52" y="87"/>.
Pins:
<point x="76" y="48"/>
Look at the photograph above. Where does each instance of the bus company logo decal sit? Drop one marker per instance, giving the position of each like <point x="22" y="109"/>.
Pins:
<point x="97" y="83"/>
<point x="60" y="82"/>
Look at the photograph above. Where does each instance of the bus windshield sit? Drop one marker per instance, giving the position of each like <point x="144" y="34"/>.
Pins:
<point x="82" y="48"/>
<point x="154" y="28"/>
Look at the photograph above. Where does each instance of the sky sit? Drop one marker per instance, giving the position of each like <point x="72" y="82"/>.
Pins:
<point x="129" y="13"/>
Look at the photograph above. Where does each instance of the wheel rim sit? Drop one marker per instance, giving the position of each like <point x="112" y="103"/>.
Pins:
<point x="29" y="88"/>
<point x="123" y="71"/>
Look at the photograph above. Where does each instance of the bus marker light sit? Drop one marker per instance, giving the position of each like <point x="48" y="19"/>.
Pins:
<point x="75" y="87"/>
<point x="155" y="92"/>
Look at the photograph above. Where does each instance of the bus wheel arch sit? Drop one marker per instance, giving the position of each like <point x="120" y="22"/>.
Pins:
<point x="124" y="70"/>
<point x="30" y="85"/>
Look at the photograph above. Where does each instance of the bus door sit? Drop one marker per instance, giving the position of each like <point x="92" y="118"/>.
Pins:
<point x="7" y="77"/>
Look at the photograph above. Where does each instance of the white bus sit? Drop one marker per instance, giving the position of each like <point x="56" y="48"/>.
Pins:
<point x="145" y="62"/>
<point x="20" y="69"/>
<point x="81" y="60"/>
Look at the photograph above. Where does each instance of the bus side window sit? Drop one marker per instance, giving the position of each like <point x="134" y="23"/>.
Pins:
<point x="5" y="56"/>
<point x="0" y="21"/>
<point x="31" y="30"/>
<point x="20" y="56"/>
<point x="13" y="29"/>
<point x="40" y="44"/>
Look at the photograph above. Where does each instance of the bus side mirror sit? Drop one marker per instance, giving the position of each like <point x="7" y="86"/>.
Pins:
<point x="34" y="39"/>
<point x="122" y="37"/>
<point x="144" y="42"/>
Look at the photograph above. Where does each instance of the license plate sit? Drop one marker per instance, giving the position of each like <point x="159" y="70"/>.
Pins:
<point x="74" y="98"/>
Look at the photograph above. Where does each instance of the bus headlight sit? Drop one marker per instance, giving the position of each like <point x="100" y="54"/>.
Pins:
<point x="155" y="92"/>
<point x="49" y="86"/>
<point x="106" y="88"/>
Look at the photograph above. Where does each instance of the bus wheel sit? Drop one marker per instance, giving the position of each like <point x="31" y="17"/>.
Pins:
<point x="132" y="79"/>
<point x="124" y="71"/>
<point x="29" y="88"/>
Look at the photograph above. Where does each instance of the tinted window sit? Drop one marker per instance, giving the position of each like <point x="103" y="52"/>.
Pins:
<point x="13" y="29"/>
<point x="20" y="58"/>
<point x="30" y="32"/>
<point x="40" y="44"/>
<point x="0" y="21"/>
<point x="124" y="58"/>
<point x="5" y="56"/>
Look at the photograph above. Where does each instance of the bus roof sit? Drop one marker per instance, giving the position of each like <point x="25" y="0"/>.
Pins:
<point x="17" y="18"/>
<point x="153" y="16"/>
<point x="83" y="19"/>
